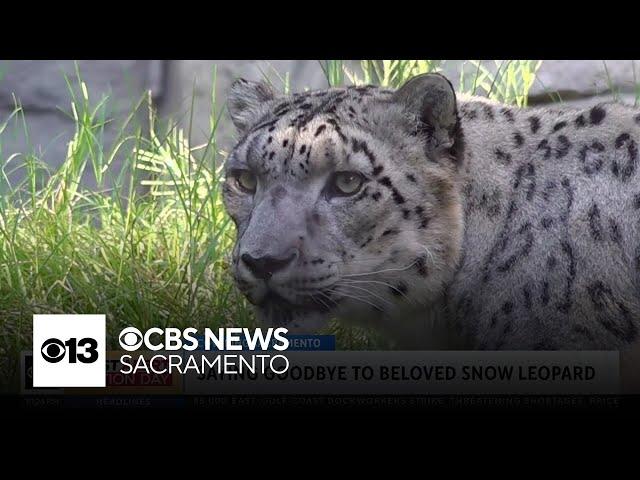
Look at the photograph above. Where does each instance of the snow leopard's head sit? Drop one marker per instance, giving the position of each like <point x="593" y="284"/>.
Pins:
<point x="346" y="200"/>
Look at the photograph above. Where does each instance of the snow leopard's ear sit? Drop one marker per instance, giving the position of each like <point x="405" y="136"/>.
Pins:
<point x="247" y="102"/>
<point x="431" y="99"/>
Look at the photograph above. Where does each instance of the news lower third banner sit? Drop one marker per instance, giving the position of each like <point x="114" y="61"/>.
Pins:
<point x="324" y="371"/>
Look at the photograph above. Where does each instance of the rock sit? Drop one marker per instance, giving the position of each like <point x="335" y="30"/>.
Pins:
<point x="41" y="89"/>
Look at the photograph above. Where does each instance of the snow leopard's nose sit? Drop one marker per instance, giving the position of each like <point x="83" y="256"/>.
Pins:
<point x="264" y="267"/>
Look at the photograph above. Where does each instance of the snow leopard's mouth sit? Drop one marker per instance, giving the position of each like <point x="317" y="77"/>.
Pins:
<point x="309" y="303"/>
<point x="303" y="317"/>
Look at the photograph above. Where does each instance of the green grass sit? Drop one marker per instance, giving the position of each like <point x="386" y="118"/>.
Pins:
<point x="507" y="81"/>
<point x="151" y="250"/>
<point x="149" y="246"/>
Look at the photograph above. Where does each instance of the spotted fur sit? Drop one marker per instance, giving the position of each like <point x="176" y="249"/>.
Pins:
<point x="517" y="228"/>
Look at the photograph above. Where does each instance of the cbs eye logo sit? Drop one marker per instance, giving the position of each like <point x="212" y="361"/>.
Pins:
<point x="54" y="350"/>
<point x="130" y="339"/>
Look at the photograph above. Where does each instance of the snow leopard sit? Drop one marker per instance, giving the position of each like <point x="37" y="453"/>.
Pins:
<point x="420" y="211"/>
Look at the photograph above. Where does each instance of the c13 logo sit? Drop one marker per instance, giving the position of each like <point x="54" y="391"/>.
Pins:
<point x="84" y="350"/>
<point x="69" y="350"/>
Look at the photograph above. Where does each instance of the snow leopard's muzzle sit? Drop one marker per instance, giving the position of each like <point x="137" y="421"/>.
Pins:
<point x="282" y="266"/>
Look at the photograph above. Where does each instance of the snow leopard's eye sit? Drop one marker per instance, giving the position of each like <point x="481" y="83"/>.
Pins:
<point x="346" y="183"/>
<point x="245" y="180"/>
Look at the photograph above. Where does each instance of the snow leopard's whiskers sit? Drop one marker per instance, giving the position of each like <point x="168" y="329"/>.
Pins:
<point x="429" y="253"/>
<point x="355" y="297"/>
<point x="367" y="291"/>
<point x="354" y="260"/>
<point x="328" y="297"/>
<point x="381" y="271"/>
<point x="378" y="282"/>
<point x="319" y="300"/>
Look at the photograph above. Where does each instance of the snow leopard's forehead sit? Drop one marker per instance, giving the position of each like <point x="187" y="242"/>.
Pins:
<point x="319" y="130"/>
<point x="300" y="108"/>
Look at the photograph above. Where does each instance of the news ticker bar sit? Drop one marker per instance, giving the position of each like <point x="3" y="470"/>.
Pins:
<point x="374" y="373"/>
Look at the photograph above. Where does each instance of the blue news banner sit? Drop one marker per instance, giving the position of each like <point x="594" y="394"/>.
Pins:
<point x="297" y="343"/>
